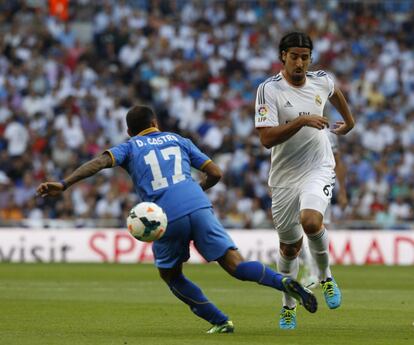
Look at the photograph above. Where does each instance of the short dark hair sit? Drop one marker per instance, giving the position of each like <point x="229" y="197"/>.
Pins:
<point x="293" y="40"/>
<point x="139" y="117"/>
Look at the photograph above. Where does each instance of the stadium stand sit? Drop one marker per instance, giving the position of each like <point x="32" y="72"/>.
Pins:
<point x="67" y="79"/>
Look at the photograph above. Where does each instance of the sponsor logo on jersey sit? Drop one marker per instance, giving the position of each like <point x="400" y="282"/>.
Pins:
<point x="288" y="105"/>
<point x="318" y="100"/>
<point x="262" y="110"/>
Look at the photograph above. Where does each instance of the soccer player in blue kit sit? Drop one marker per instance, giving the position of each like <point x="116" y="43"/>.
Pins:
<point x="159" y="164"/>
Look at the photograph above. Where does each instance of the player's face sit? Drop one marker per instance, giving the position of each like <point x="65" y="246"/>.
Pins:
<point x="297" y="61"/>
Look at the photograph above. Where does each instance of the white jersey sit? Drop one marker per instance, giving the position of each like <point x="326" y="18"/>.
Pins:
<point x="277" y="103"/>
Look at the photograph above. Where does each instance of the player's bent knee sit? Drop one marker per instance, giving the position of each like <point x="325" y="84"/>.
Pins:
<point x="231" y="260"/>
<point x="165" y="277"/>
<point x="167" y="274"/>
<point x="311" y="227"/>
<point x="311" y="221"/>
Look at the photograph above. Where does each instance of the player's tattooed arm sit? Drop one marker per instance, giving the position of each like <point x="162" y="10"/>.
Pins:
<point x="213" y="174"/>
<point x="88" y="169"/>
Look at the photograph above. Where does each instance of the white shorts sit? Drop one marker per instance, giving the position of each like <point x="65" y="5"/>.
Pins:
<point x="315" y="193"/>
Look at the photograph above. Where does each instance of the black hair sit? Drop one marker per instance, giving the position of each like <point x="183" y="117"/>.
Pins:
<point x="139" y="117"/>
<point x="294" y="39"/>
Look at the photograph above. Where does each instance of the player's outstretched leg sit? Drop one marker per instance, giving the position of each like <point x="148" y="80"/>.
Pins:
<point x="191" y="294"/>
<point x="256" y="271"/>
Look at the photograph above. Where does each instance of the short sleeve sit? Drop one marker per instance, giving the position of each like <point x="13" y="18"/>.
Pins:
<point x="120" y="153"/>
<point x="266" y="114"/>
<point x="331" y="84"/>
<point x="197" y="158"/>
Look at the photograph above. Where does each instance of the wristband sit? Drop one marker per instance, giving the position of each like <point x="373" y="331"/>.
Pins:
<point x="65" y="185"/>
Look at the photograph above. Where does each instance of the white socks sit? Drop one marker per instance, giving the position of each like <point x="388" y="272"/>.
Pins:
<point x="307" y="260"/>
<point x="319" y="248"/>
<point x="288" y="267"/>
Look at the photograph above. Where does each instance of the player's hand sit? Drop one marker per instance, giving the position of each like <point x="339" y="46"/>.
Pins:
<point x="315" y="121"/>
<point x="341" y="128"/>
<point x="342" y="199"/>
<point x="49" y="189"/>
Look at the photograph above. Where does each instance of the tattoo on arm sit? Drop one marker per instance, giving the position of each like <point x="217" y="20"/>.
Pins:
<point x="89" y="168"/>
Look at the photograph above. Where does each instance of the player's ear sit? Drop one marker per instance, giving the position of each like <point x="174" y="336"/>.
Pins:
<point x="283" y="56"/>
<point x="129" y="132"/>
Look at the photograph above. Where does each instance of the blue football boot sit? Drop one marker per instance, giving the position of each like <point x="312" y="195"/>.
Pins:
<point x="331" y="293"/>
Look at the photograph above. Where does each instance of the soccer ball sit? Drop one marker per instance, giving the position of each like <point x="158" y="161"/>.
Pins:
<point x="147" y="222"/>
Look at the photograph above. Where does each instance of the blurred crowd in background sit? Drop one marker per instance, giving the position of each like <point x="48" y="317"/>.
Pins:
<point x="69" y="74"/>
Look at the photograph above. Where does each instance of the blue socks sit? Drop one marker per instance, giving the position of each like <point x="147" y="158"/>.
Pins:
<point x="192" y="295"/>
<point x="255" y="271"/>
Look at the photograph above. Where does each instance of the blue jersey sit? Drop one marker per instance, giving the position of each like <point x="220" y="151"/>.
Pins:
<point x="159" y="164"/>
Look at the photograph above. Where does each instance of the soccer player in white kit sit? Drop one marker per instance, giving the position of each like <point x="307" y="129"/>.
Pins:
<point x="289" y="119"/>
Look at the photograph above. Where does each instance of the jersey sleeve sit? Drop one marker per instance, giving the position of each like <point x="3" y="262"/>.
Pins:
<point x="197" y="158"/>
<point x="120" y="153"/>
<point x="266" y="114"/>
<point x="331" y="84"/>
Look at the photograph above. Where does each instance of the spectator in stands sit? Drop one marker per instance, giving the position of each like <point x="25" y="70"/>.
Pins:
<point x="197" y="63"/>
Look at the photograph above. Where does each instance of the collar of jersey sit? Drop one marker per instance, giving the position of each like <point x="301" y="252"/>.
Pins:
<point x="148" y="131"/>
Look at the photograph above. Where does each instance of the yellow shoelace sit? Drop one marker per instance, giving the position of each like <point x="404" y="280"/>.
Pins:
<point x="288" y="315"/>
<point x="328" y="287"/>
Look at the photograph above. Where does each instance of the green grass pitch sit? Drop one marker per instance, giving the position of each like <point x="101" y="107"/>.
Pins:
<point x="104" y="304"/>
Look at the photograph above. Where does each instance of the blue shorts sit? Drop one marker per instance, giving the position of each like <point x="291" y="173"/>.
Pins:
<point x="200" y="226"/>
